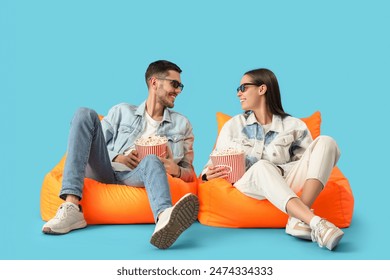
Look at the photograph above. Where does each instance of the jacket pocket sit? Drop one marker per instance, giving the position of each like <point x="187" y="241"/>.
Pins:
<point x="176" y="143"/>
<point x="279" y="149"/>
<point x="242" y="143"/>
<point x="126" y="135"/>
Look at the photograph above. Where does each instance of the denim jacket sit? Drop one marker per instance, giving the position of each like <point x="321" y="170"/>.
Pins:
<point x="283" y="145"/>
<point x="125" y="123"/>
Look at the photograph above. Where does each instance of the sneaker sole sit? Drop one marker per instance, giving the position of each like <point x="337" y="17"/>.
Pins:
<point x="184" y="214"/>
<point x="78" y="225"/>
<point x="334" y="239"/>
<point x="298" y="234"/>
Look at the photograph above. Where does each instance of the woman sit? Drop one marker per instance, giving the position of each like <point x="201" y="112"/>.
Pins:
<point x="281" y="158"/>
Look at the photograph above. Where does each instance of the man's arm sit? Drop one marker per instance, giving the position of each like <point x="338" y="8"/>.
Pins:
<point x="187" y="172"/>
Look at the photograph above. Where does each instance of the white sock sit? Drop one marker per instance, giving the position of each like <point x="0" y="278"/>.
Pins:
<point x="314" y="221"/>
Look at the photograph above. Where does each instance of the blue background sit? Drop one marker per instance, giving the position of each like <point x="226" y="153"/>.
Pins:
<point x="56" y="56"/>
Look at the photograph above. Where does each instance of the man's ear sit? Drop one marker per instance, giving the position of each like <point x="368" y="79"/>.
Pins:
<point x="153" y="82"/>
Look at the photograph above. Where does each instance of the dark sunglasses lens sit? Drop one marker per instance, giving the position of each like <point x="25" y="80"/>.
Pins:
<point x="175" y="84"/>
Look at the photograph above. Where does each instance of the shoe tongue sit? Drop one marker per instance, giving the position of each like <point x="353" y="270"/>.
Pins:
<point x="70" y="204"/>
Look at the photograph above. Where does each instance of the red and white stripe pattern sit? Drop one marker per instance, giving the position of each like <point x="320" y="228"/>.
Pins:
<point x="158" y="150"/>
<point x="235" y="164"/>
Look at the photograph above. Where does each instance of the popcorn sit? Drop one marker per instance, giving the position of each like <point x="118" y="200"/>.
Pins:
<point x="151" y="140"/>
<point x="225" y="152"/>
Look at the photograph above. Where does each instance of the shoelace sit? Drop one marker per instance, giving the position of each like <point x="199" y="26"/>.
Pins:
<point x="62" y="212"/>
<point x="316" y="233"/>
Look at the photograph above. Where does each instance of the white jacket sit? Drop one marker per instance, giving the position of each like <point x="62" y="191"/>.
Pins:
<point x="284" y="143"/>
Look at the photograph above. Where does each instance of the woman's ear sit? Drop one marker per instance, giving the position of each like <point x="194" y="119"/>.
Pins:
<point x="262" y="89"/>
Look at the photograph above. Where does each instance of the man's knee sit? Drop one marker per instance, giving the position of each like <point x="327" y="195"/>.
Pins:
<point x="84" y="114"/>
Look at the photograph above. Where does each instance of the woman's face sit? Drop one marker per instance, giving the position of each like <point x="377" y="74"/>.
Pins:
<point x="248" y="93"/>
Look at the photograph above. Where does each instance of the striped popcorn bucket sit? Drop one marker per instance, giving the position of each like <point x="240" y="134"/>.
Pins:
<point x="158" y="150"/>
<point x="234" y="163"/>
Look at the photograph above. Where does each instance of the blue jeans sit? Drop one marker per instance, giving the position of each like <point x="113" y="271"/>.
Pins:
<point x="87" y="157"/>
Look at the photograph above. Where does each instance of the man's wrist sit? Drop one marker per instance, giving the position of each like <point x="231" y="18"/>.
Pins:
<point x="115" y="158"/>
<point x="178" y="175"/>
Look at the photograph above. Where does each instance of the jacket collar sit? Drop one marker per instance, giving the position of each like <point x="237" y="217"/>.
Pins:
<point x="276" y="125"/>
<point x="142" y="108"/>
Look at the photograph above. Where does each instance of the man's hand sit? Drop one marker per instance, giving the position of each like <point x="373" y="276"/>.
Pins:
<point x="131" y="160"/>
<point x="170" y="165"/>
<point x="216" y="172"/>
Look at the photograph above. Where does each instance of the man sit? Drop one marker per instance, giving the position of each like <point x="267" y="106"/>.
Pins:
<point x="105" y="151"/>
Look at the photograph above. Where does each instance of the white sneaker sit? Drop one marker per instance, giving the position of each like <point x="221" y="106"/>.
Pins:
<point x="68" y="217"/>
<point x="326" y="234"/>
<point x="174" y="220"/>
<point x="297" y="228"/>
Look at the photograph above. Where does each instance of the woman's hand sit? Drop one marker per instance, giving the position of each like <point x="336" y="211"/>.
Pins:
<point x="216" y="172"/>
<point x="131" y="160"/>
<point x="170" y="165"/>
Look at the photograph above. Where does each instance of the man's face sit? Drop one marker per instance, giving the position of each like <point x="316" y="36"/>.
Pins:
<point x="166" y="93"/>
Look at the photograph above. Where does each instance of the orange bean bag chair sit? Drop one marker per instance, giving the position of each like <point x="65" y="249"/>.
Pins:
<point x="222" y="205"/>
<point x="107" y="203"/>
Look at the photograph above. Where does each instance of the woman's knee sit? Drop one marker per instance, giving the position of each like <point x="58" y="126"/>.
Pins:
<point x="329" y="144"/>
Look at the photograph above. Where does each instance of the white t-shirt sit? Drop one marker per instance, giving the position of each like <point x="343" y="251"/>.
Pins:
<point x="150" y="130"/>
<point x="151" y="126"/>
<point x="266" y="127"/>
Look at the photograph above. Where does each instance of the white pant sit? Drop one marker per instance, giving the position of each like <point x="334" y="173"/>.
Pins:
<point x="264" y="181"/>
